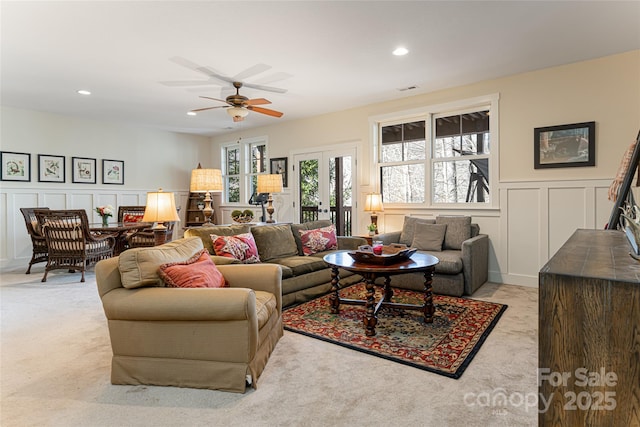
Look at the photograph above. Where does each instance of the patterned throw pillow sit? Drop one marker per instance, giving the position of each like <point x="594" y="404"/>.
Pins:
<point x="241" y="247"/>
<point x="130" y="217"/>
<point x="319" y="239"/>
<point x="196" y="272"/>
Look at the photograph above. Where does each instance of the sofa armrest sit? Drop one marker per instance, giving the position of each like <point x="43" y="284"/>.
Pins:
<point x="350" y="242"/>
<point x="259" y="277"/>
<point x="177" y="304"/>
<point x="475" y="262"/>
<point x="388" y="238"/>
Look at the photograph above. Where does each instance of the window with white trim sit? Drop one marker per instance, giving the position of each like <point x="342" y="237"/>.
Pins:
<point x="440" y="158"/>
<point x="242" y="163"/>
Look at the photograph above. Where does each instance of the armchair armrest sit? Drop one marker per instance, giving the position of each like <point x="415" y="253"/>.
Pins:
<point x="259" y="277"/>
<point x="350" y="242"/>
<point x="475" y="262"/>
<point x="388" y="238"/>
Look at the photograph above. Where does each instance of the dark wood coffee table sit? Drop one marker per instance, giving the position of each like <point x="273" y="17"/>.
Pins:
<point x="370" y="272"/>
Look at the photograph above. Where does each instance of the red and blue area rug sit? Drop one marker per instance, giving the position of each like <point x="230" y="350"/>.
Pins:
<point x="444" y="347"/>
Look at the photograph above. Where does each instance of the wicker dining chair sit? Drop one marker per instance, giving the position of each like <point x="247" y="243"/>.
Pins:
<point x="71" y="244"/>
<point x="130" y="213"/>
<point x="40" y="251"/>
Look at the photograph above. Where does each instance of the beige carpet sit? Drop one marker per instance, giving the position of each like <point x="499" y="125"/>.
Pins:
<point x="55" y="361"/>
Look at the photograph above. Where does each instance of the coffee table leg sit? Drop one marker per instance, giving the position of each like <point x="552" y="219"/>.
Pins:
<point x="388" y="292"/>
<point x="370" y="318"/>
<point x="334" y="299"/>
<point x="428" y="308"/>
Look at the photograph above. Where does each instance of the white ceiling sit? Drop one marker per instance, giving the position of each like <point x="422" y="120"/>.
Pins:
<point x="328" y="55"/>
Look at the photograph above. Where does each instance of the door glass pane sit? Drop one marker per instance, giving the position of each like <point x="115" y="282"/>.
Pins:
<point x="340" y="193"/>
<point x="309" y="191"/>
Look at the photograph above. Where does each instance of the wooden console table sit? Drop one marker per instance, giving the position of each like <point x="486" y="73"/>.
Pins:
<point x="589" y="333"/>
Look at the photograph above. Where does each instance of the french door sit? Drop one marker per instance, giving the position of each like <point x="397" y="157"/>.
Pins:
<point x="325" y="187"/>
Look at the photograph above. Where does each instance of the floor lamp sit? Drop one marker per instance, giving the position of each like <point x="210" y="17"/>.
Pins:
<point x="373" y="204"/>
<point x="160" y="208"/>
<point x="206" y="181"/>
<point x="269" y="183"/>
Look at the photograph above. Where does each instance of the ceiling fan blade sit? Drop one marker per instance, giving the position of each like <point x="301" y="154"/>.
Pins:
<point x="238" y="118"/>
<point x="215" y="99"/>
<point x="256" y="101"/>
<point x="251" y="71"/>
<point x="267" y="88"/>
<point x="189" y="82"/>
<point x="207" y="108"/>
<point x="272" y="78"/>
<point x="266" y="111"/>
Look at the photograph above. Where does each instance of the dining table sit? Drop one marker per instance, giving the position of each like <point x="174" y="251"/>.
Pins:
<point x="119" y="231"/>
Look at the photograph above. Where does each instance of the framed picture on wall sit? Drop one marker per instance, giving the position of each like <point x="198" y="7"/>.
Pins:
<point x="112" y="171"/>
<point x="51" y="168"/>
<point x="15" y="166"/>
<point x="83" y="170"/>
<point x="565" y="145"/>
<point x="279" y="166"/>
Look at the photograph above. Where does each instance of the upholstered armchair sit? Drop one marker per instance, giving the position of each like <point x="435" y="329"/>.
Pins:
<point x="211" y="338"/>
<point x="40" y="251"/>
<point x="70" y="243"/>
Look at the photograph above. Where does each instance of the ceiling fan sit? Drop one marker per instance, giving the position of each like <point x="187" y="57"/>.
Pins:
<point x="238" y="106"/>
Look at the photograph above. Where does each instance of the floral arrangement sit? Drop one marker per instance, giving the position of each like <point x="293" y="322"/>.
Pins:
<point x="105" y="211"/>
<point x="372" y="228"/>
<point x="242" y="216"/>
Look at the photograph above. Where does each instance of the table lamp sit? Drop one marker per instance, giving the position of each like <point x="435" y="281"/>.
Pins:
<point x="269" y="183"/>
<point x="372" y="204"/>
<point x="160" y="208"/>
<point x="206" y="181"/>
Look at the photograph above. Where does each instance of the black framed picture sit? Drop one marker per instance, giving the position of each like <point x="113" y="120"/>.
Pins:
<point x="565" y="146"/>
<point x="51" y="168"/>
<point x="83" y="170"/>
<point x="112" y="171"/>
<point x="15" y="166"/>
<point x="279" y="166"/>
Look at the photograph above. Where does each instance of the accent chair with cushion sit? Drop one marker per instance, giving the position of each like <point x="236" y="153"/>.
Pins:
<point x="176" y="319"/>
<point x="38" y="241"/>
<point x="463" y="253"/>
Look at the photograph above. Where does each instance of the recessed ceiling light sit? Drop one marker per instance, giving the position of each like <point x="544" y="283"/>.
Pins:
<point x="84" y="92"/>
<point x="400" y="51"/>
<point x="192" y="113"/>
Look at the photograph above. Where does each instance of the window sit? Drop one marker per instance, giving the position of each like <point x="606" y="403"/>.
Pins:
<point x="243" y="162"/>
<point x="436" y="158"/>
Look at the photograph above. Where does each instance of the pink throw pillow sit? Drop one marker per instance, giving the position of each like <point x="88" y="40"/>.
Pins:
<point x="196" y="272"/>
<point x="319" y="239"/>
<point x="241" y="247"/>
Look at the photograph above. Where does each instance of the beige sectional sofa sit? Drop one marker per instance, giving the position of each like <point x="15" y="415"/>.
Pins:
<point x="303" y="277"/>
<point x="214" y="338"/>
<point x="463" y="253"/>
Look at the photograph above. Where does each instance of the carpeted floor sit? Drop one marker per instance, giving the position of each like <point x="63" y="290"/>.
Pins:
<point x="55" y="361"/>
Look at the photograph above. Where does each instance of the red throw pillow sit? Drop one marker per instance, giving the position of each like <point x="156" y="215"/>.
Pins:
<point x="241" y="247"/>
<point x="132" y="217"/>
<point x="319" y="239"/>
<point x="196" y="272"/>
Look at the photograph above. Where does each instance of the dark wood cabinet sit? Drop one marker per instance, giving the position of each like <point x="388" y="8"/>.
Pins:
<point x="589" y="333"/>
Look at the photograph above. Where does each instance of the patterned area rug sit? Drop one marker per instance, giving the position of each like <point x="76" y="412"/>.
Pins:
<point x="445" y="347"/>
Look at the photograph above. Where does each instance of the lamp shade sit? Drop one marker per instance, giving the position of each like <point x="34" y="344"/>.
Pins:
<point x="373" y="203"/>
<point x="269" y="183"/>
<point x="203" y="180"/>
<point x="161" y="207"/>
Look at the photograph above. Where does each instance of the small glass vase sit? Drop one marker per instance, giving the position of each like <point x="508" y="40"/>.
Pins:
<point x="105" y="221"/>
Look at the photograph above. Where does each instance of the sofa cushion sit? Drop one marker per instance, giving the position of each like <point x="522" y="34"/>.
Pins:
<point x="197" y="272"/>
<point x="458" y="230"/>
<point x="241" y="247"/>
<point x="295" y="228"/>
<point x="318" y="239"/>
<point x="139" y="266"/>
<point x="274" y="241"/>
<point x="450" y="262"/>
<point x="300" y="265"/>
<point x="429" y="237"/>
<point x="408" y="228"/>
<point x="221" y="230"/>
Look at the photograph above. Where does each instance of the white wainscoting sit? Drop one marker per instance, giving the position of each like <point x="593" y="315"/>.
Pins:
<point x="15" y="244"/>
<point x="533" y="221"/>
